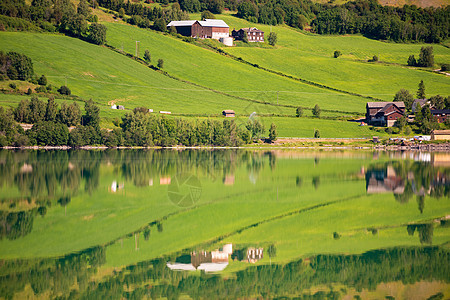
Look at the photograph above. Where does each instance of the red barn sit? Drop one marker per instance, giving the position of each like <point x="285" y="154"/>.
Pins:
<point x="207" y="29"/>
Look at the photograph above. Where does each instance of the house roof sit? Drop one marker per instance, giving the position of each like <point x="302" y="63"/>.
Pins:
<point x="182" y="23"/>
<point x="252" y="29"/>
<point x="441" y="132"/>
<point x="399" y="104"/>
<point x="228" y="111"/>
<point x="213" y="23"/>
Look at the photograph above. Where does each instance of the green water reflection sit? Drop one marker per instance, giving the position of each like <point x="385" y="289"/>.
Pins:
<point x="304" y="224"/>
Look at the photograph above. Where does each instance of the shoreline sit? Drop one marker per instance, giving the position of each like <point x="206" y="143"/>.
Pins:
<point x="415" y="147"/>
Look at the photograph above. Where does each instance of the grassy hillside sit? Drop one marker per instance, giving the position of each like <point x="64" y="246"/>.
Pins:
<point x="310" y="57"/>
<point x="99" y="73"/>
<point x="210" y="69"/>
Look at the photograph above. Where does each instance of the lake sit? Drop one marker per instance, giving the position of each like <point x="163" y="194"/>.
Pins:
<point x="224" y="224"/>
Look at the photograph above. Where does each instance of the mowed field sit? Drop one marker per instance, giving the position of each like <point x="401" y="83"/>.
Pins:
<point x="310" y="57"/>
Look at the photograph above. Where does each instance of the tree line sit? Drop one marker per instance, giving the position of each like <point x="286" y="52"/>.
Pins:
<point x="364" y="271"/>
<point x="53" y="16"/>
<point x="137" y="128"/>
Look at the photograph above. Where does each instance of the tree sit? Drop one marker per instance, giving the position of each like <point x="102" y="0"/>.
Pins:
<point x="256" y="128"/>
<point x="401" y="123"/>
<point x="408" y="130"/>
<point x="438" y="102"/>
<point x="83" y="8"/>
<point x="97" y="34"/>
<point x="421" y="90"/>
<point x="160" y="63"/>
<point x="49" y="134"/>
<point x="273" y="132"/>
<point x="42" y="80"/>
<point x="20" y="66"/>
<point x="92" y="116"/>
<point x="160" y="25"/>
<point x="406" y="97"/>
<point x="22" y="112"/>
<point x="69" y="114"/>
<point x="51" y="110"/>
<point x="316" y="111"/>
<point x="206" y="14"/>
<point x="299" y="112"/>
<point x="37" y="110"/>
<point x="426" y="57"/>
<point x="272" y="38"/>
<point x="147" y="56"/>
<point x="272" y="250"/>
<point x="64" y="90"/>
<point x="337" y="53"/>
<point x="173" y="30"/>
<point x="412" y="61"/>
<point x="121" y="12"/>
<point x="316" y="134"/>
<point x="245" y="37"/>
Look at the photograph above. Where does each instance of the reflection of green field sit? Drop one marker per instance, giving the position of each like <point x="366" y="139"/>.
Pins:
<point x="267" y="198"/>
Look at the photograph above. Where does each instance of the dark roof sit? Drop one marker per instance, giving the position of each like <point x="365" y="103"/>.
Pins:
<point x="399" y="104"/>
<point x="440" y="111"/>
<point x="252" y="29"/>
<point x="228" y="111"/>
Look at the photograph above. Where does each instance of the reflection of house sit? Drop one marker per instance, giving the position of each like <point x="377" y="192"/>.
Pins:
<point x="253" y="34"/>
<point x="441" y="159"/>
<point x="228" y="180"/>
<point x="115" y="186"/>
<point x="384" y="113"/>
<point x="254" y="254"/>
<point x="207" y="29"/>
<point x="384" y="181"/>
<point x="440" y="135"/>
<point x="208" y="261"/>
<point x="164" y="180"/>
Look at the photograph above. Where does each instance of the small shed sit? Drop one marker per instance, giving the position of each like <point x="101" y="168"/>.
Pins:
<point x="165" y="112"/>
<point x="120" y="107"/>
<point x="440" y="135"/>
<point x="228" y="113"/>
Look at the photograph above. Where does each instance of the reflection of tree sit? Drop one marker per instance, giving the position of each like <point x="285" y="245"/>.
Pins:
<point x="51" y="276"/>
<point x="425" y="232"/>
<point x="16" y="224"/>
<point x="316" y="182"/>
<point x="420" y="203"/>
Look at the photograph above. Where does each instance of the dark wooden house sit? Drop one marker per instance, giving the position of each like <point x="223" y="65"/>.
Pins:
<point x="253" y="34"/>
<point x="384" y="113"/>
<point x="440" y="114"/>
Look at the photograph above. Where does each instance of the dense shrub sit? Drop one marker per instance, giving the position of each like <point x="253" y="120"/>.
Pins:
<point x="47" y="133"/>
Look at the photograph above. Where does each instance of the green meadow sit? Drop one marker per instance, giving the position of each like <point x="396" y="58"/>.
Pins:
<point x="295" y="200"/>
<point x="310" y="57"/>
<point x="207" y="68"/>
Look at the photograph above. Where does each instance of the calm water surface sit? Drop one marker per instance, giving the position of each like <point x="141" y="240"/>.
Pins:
<point x="222" y="224"/>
